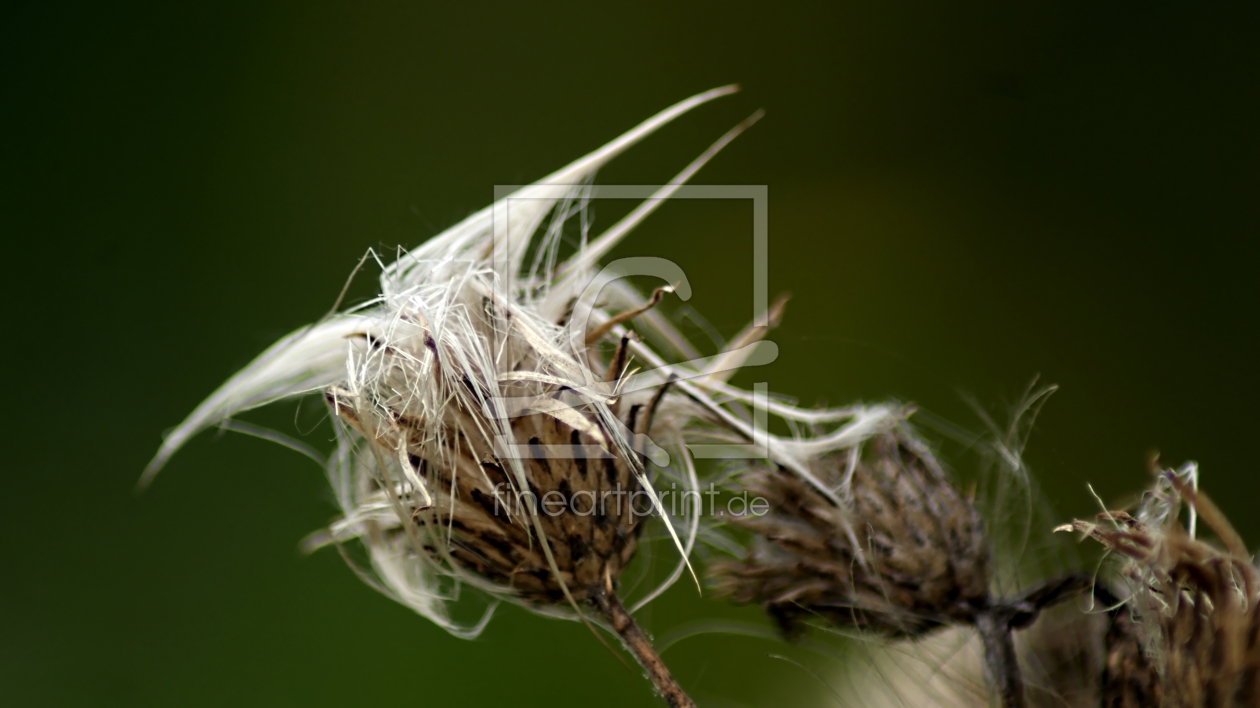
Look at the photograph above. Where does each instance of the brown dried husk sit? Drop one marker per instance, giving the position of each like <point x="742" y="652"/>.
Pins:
<point x="479" y="519"/>
<point x="1129" y="679"/>
<point x="904" y="553"/>
<point x="1190" y="633"/>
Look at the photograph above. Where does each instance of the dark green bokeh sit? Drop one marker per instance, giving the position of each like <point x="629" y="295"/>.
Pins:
<point x="959" y="200"/>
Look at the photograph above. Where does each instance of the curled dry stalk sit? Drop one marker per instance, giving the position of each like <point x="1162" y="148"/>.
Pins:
<point x="899" y="552"/>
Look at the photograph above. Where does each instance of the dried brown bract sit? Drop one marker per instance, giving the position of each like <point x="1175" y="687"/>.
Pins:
<point x="487" y="521"/>
<point x="1129" y="679"/>
<point x="1190" y="634"/>
<point x="902" y="554"/>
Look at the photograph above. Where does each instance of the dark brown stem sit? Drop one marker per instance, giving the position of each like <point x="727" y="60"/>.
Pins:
<point x="1001" y="665"/>
<point x="1044" y="595"/>
<point x="637" y="642"/>
<point x="996" y="622"/>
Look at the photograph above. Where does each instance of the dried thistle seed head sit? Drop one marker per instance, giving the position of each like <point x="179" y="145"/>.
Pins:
<point x="460" y="504"/>
<point x="1192" y="633"/>
<point x="451" y="382"/>
<point x="461" y="378"/>
<point x="901" y="553"/>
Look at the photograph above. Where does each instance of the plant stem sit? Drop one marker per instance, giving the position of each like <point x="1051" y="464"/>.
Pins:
<point x="637" y="642"/>
<point x="1000" y="662"/>
<point x="998" y="620"/>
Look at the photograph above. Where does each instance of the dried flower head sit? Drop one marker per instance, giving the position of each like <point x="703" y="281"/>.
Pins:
<point x="1190" y="634"/>
<point x="487" y="408"/>
<point x="902" y="553"/>
<point x="895" y="550"/>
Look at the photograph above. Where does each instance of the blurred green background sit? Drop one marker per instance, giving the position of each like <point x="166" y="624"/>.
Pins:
<point x="960" y="199"/>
